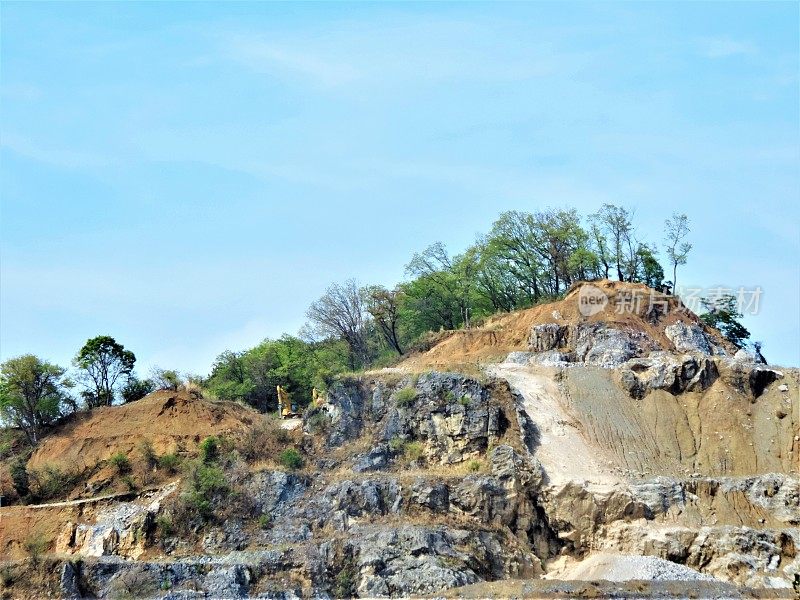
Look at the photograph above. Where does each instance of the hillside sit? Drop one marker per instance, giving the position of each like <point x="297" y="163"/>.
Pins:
<point x="541" y="449"/>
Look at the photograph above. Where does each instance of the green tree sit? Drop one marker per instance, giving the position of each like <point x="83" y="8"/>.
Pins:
<point x="383" y="306"/>
<point x="514" y="239"/>
<point x="495" y="285"/>
<point x="165" y="379"/>
<point x="104" y="365"/>
<point x="723" y="314"/>
<point x="33" y="394"/>
<point x="648" y="270"/>
<point x="676" y="230"/>
<point x="135" y="389"/>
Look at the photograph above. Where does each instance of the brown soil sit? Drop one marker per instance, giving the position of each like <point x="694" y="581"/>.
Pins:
<point x="171" y="421"/>
<point x="505" y="333"/>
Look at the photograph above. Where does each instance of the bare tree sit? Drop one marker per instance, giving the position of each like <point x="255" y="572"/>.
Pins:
<point x="676" y="230"/>
<point x="340" y="313"/>
<point x="614" y="223"/>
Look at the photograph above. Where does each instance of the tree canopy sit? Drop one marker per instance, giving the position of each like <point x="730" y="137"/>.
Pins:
<point x="103" y="367"/>
<point x="33" y="394"/>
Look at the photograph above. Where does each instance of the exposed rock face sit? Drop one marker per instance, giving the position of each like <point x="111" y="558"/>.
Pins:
<point x="548" y="336"/>
<point x="688" y="338"/>
<point x="661" y="370"/>
<point x="420" y="484"/>
<point x="590" y="343"/>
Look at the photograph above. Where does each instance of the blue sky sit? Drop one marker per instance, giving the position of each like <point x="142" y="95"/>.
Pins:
<point x="189" y="177"/>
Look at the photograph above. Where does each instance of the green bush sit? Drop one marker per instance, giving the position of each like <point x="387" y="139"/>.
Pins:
<point x="164" y="526"/>
<point x="396" y="444"/>
<point x="465" y="401"/>
<point x="264" y="521"/>
<point x="120" y="462"/>
<point x="51" y="482"/>
<point x="206" y="483"/>
<point x="209" y="449"/>
<point x="344" y="583"/>
<point x="291" y="459"/>
<point x="20" y="479"/>
<point x="130" y="482"/>
<point x="169" y="462"/>
<point x="148" y="453"/>
<point x="413" y="451"/>
<point x="405" y="396"/>
<point x="475" y="466"/>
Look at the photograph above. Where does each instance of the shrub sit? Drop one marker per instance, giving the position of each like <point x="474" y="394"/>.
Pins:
<point x="396" y="444"/>
<point x="209" y="449"/>
<point x="475" y="466"/>
<point x="405" y="396"/>
<point x="130" y="482"/>
<point x="344" y="583"/>
<point x="169" y="462"/>
<point x="19" y="477"/>
<point x="450" y="396"/>
<point x="51" y="482"/>
<point x="413" y="451"/>
<point x="120" y="462"/>
<point x="148" y="453"/>
<point x="36" y="545"/>
<point x="291" y="459"/>
<point x="264" y="521"/>
<point x="164" y="526"/>
<point x="206" y="483"/>
<point x="465" y="401"/>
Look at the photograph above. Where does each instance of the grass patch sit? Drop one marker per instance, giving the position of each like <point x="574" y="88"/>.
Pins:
<point x="120" y="462"/>
<point x="406" y="396"/>
<point x="35" y="545"/>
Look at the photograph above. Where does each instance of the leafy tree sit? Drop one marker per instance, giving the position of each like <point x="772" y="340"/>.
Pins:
<point x="676" y="230"/>
<point x="165" y="379"/>
<point x="104" y="365"/>
<point x="33" y="394"/>
<point x="649" y="271"/>
<point x="297" y="365"/>
<point x="514" y="239"/>
<point x="340" y="313"/>
<point x="495" y="285"/>
<point x="136" y="389"/>
<point x="229" y="379"/>
<point x="384" y="307"/>
<point x="723" y="314"/>
<point x="440" y="286"/>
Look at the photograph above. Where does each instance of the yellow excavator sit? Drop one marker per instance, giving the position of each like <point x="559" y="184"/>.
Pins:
<point x="285" y="405"/>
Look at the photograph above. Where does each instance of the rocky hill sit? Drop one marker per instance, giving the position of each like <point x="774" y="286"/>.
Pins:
<point x="557" y="451"/>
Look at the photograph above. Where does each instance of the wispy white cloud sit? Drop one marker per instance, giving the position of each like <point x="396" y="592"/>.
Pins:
<point x="68" y="158"/>
<point x="263" y="56"/>
<point x="724" y="47"/>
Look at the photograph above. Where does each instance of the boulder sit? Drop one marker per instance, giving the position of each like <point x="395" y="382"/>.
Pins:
<point x="688" y="338"/>
<point x="665" y="371"/>
<point x="547" y="336"/>
<point x="435" y="496"/>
